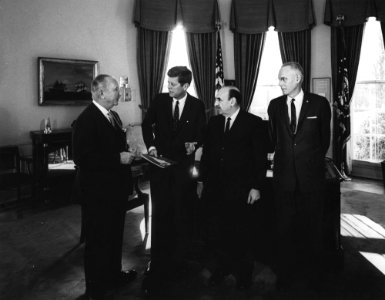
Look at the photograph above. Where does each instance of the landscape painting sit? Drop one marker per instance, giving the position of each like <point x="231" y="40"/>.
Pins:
<point x="65" y="81"/>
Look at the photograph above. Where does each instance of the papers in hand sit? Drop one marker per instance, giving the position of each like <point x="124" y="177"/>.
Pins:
<point x="160" y="162"/>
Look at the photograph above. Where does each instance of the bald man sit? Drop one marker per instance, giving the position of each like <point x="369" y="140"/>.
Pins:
<point x="233" y="167"/>
<point x="101" y="155"/>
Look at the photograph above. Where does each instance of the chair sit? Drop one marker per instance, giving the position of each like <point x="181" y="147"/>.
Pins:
<point x="11" y="177"/>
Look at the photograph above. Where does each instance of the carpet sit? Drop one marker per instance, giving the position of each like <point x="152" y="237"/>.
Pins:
<point x="41" y="258"/>
<point x="367" y="204"/>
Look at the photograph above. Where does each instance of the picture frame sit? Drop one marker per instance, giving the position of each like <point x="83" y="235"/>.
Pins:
<point x="65" y="81"/>
<point x="229" y="82"/>
<point x="322" y="86"/>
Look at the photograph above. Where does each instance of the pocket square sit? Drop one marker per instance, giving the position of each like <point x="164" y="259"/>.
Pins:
<point x="312" y="117"/>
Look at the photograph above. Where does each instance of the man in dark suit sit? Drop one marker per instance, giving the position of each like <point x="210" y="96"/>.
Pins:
<point x="173" y="128"/>
<point x="299" y="124"/>
<point x="101" y="154"/>
<point x="233" y="167"/>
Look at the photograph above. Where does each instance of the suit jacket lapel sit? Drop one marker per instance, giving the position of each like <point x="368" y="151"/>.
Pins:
<point x="168" y="109"/>
<point x="284" y="112"/>
<point x="186" y="109"/>
<point x="303" y="112"/>
<point x="101" y="116"/>
<point x="236" y="122"/>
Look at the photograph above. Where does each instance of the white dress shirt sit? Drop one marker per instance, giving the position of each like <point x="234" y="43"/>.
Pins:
<point x="102" y="109"/>
<point x="182" y="102"/>
<point x="233" y="117"/>
<point x="298" y="104"/>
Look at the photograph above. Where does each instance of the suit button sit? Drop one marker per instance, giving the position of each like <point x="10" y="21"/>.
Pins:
<point x="295" y="144"/>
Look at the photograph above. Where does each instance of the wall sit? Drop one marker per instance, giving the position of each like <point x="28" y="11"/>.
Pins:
<point x="89" y="29"/>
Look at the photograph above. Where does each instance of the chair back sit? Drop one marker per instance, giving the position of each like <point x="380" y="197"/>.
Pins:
<point x="9" y="165"/>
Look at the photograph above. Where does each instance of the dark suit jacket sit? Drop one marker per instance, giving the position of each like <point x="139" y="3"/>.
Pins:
<point x="299" y="158"/>
<point x="235" y="162"/>
<point x="96" y="149"/>
<point x="157" y="127"/>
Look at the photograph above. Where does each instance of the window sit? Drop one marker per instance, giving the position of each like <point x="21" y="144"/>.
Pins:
<point x="368" y="101"/>
<point x="267" y="84"/>
<point x="178" y="57"/>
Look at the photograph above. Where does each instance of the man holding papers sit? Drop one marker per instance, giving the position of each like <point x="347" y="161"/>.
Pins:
<point x="172" y="128"/>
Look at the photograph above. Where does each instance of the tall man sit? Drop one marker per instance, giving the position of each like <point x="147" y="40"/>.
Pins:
<point x="300" y="132"/>
<point x="101" y="155"/>
<point x="233" y="167"/>
<point x="173" y="128"/>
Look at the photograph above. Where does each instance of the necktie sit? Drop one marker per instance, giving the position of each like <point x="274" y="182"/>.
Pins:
<point x="175" y="118"/>
<point x="111" y="118"/>
<point x="176" y="111"/>
<point x="293" y="117"/>
<point x="227" y="129"/>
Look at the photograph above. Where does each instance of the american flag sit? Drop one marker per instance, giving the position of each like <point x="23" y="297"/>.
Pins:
<point x="342" y="105"/>
<point x="342" y="102"/>
<point x="219" y="78"/>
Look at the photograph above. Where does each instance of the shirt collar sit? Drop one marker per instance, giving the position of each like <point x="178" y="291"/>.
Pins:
<point x="182" y="100"/>
<point x="298" y="98"/>
<point x="234" y="115"/>
<point x="101" y="108"/>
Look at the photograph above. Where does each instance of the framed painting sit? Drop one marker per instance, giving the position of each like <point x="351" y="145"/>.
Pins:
<point x="65" y="81"/>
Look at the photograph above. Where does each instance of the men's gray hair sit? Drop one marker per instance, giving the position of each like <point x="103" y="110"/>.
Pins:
<point x="99" y="82"/>
<point x="296" y="66"/>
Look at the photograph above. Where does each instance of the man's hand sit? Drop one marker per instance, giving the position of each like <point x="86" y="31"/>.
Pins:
<point x="126" y="157"/>
<point x="190" y="147"/>
<point x="254" y="195"/>
<point x="199" y="189"/>
<point x="153" y="152"/>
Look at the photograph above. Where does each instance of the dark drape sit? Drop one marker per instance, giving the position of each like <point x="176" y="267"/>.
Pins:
<point x="355" y="12"/>
<point x="353" y="40"/>
<point x="251" y="16"/>
<point x="202" y="50"/>
<point x="199" y="16"/>
<point x="345" y="54"/>
<point x="296" y="46"/>
<point x="201" y="45"/>
<point x="247" y="56"/>
<point x="153" y="49"/>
